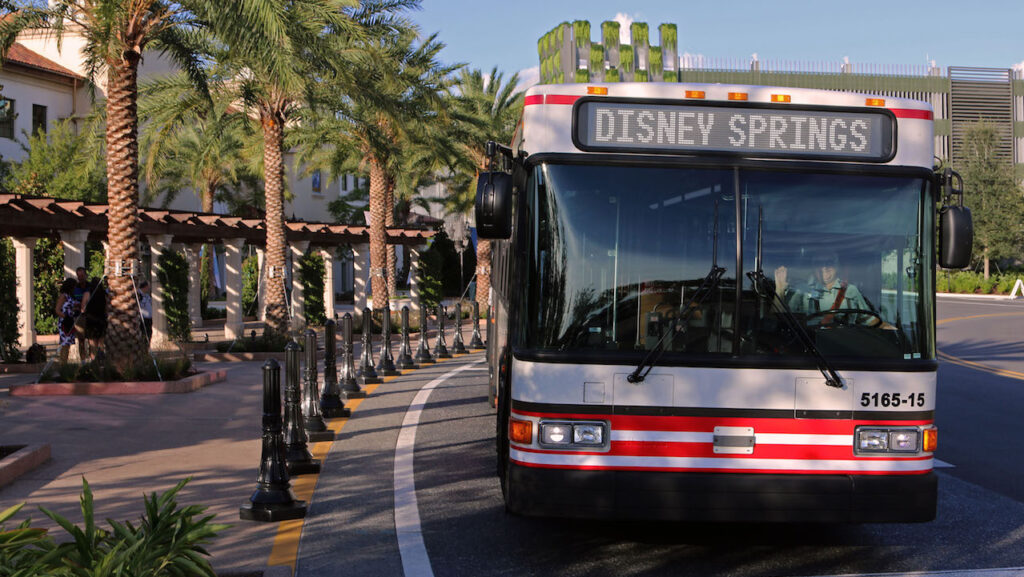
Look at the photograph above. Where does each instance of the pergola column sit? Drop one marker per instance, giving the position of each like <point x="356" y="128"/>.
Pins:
<point x="233" y="327"/>
<point x="195" y="295"/>
<point x="360" y="275"/>
<point x="298" y="248"/>
<point x="74" y="250"/>
<point x="328" y="255"/>
<point x="23" y="252"/>
<point x="159" y="245"/>
<point x="414" y="281"/>
<point x="261" y="283"/>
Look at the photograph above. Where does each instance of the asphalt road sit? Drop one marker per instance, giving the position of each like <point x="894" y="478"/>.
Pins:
<point x="465" y="530"/>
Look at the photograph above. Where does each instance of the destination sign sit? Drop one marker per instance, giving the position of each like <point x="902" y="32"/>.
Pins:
<point x="685" y="129"/>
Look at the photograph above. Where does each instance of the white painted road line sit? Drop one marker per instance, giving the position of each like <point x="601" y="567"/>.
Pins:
<point x="1007" y="572"/>
<point x="415" y="561"/>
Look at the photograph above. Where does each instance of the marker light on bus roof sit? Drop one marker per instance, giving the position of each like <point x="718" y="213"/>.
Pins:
<point x="695" y="94"/>
<point x="602" y="90"/>
<point x="874" y="102"/>
<point x="780" y="98"/>
<point x="737" y="96"/>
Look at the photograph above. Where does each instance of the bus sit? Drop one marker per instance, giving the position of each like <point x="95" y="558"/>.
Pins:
<point x="717" y="303"/>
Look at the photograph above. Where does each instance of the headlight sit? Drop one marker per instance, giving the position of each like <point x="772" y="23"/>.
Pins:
<point x="566" y="435"/>
<point x="903" y="441"/>
<point x="555" y="434"/>
<point x="588" y="434"/>
<point x="872" y="440"/>
<point x="887" y="440"/>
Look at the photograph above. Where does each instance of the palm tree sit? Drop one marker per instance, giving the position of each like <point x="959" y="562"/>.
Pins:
<point x="497" y="107"/>
<point x="322" y="34"/>
<point x="195" y="139"/>
<point x="117" y="33"/>
<point x="385" y="101"/>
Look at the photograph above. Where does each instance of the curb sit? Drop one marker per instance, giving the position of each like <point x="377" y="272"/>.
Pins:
<point x="22" y="461"/>
<point x="976" y="296"/>
<point x="186" y="385"/>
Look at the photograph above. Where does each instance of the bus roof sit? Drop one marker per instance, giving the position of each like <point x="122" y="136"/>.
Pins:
<point x="553" y="122"/>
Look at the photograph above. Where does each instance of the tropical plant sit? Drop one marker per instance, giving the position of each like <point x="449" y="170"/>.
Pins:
<point x="495" y="106"/>
<point x="9" y="327"/>
<point x="63" y="163"/>
<point x="116" y="34"/>
<point x="384" y="102"/>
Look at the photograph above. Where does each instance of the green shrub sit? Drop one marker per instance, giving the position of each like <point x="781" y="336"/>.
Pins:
<point x="48" y="274"/>
<point x="261" y="344"/>
<point x="170" y="368"/>
<point x="311" y="275"/>
<point x="250" y="285"/>
<point x="173" y="275"/>
<point x="9" y="336"/>
<point x="167" y="541"/>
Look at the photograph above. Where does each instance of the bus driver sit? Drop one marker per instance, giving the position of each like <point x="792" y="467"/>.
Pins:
<point x="824" y="292"/>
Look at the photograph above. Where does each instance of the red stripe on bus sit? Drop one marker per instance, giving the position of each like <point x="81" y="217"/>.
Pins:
<point x="720" y="470"/>
<point x="708" y="424"/>
<point x="560" y="99"/>
<point x="535" y="99"/>
<point x="705" y="450"/>
<point x="912" y="113"/>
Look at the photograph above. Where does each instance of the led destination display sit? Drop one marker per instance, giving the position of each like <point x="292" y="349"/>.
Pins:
<point x="671" y="128"/>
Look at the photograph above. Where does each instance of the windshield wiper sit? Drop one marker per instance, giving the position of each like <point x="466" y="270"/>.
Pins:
<point x="707" y="286"/>
<point x="764" y="288"/>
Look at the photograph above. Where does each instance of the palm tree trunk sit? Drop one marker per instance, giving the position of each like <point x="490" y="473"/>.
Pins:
<point x="273" y="177"/>
<point x="125" y="342"/>
<point x="207" y="260"/>
<point x="378" y="237"/>
<point x="389" y="221"/>
<point x="483" y="272"/>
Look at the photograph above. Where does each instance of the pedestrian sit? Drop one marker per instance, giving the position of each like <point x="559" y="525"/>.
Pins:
<point x="146" y="304"/>
<point x="95" y="312"/>
<point x="81" y="295"/>
<point x="68" y="308"/>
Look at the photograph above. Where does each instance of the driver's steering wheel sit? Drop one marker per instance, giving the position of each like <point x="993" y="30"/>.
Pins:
<point x="846" y="314"/>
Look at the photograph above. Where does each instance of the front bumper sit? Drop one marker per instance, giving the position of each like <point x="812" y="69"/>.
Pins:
<point x="722" y="496"/>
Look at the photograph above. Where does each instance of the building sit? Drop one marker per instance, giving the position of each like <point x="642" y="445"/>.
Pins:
<point x="959" y="95"/>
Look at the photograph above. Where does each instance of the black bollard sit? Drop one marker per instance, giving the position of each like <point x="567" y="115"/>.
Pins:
<point x="367" y="375"/>
<point x="441" y="347"/>
<point x="386" y="364"/>
<point x="273" y="499"/>
<point x="476" y="342"/>
<point x="312" y="418"/>
<point x="405" y="352"/>
<point x="458" y="346"/>
<point x="423" y="355"/>
<point x="331" y="404"/>
<point x="349" y="384"/>
<point x="297" y="456"/>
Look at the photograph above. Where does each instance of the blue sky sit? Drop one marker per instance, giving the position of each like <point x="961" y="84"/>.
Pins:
<point x="485" y="33"/>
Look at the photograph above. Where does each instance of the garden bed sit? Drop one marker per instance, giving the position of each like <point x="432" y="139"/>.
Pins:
<point x="20" y="368"/>
<point x="16" y="460"/>
<point x="185" y="385"/>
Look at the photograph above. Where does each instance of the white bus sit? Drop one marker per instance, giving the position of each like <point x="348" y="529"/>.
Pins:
<point x="716" y="302"/>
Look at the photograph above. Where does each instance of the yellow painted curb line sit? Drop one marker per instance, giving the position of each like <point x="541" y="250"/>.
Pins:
<point x="285" y="550"/>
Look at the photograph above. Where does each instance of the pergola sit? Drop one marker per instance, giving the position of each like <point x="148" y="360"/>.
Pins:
<point x="26" y="219"/>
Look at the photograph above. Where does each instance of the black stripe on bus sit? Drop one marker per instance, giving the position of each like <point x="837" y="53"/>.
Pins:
<point x="528" y="407"/>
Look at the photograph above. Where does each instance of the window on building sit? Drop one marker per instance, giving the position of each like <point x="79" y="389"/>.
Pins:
<point x="38" y="118"/>
<point x="344" y="183"/>
<point x="316" y="182"/>
<point x="7" y="118"/>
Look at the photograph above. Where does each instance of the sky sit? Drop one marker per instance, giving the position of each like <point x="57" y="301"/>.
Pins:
<point x="987" y="33"/>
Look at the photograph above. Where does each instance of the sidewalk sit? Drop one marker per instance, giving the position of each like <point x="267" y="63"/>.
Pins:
<point x="126" y="446"/>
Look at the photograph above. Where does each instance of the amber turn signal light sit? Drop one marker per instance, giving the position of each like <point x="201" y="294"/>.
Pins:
<point x="520" y="431"/>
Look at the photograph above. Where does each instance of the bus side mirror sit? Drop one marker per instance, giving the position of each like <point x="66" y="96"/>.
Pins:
<point x="494" y="205"/>
<point x="956" y="237"/>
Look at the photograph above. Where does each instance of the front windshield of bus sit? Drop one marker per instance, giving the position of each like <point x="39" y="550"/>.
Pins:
<point x="617" y="255"/>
